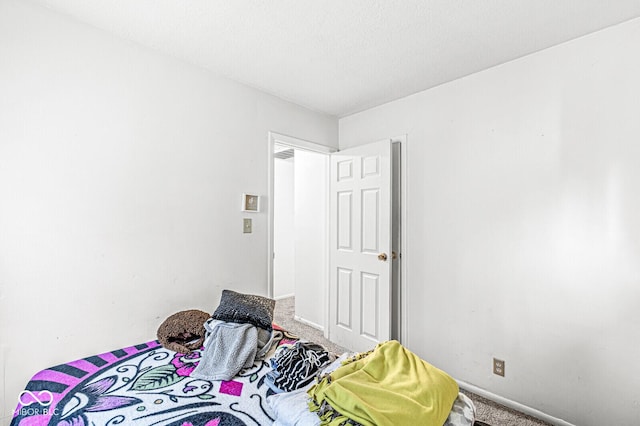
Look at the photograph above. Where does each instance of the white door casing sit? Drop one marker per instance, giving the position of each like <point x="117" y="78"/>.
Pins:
<point x="360" y="246"/>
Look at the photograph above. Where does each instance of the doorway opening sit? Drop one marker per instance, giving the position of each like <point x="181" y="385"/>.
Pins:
<point x="299" y="226"/>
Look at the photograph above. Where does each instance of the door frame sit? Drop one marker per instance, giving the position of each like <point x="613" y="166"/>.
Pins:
<point x="297" y="143"/>
<point x="301" y="144"/>
<point x="401" y="307"/>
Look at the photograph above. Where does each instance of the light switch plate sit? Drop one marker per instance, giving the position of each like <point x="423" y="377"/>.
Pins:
<point x="247" y="226"/>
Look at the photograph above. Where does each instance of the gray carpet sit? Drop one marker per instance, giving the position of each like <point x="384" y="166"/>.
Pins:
<point x="487" y="411"/>
<point x="284" y="317"/>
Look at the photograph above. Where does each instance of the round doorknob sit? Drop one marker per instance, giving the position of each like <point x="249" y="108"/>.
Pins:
<point x="383" y="257"/>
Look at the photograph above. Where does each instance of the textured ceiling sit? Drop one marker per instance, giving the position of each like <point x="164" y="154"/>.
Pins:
<point x="344" y="56"/>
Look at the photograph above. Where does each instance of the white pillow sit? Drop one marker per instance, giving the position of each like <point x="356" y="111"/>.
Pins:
<point x="291" y="409"/>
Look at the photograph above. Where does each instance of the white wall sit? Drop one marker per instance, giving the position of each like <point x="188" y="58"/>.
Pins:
<point x="310" y="200"/>
<point x="121" y="172"/>
<point x="283" y="229"/>
<point x="523" y="226"/>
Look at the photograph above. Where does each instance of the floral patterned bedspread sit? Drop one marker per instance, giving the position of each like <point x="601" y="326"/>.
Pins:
<point x="145" y="384"/>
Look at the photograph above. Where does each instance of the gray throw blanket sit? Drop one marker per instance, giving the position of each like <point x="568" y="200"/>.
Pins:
<point x="230" y="347"/>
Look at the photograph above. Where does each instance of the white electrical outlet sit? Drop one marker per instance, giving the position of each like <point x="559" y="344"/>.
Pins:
<point x="498" y="367"/>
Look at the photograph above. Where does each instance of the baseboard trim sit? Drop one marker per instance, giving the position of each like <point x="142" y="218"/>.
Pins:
<point x="513" y="404"/>
<point x="285" y="296"/>
<point x="309" y="323"/>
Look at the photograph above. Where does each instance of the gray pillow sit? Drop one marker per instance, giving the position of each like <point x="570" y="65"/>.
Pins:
<point x="245" y="309"/>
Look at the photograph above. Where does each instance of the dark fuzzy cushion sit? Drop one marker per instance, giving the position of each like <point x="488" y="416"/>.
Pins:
<point x="245" y="309"/>
<point x="183" y="331"/>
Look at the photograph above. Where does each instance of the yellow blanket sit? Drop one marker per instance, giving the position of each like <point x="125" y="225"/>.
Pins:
<point x="389" y="386"/>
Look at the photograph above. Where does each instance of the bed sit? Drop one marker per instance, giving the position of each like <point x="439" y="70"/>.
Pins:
<point x="147" y="384"/>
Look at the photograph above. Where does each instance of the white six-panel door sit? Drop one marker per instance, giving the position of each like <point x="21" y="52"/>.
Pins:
<point x="360" y="246"/>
